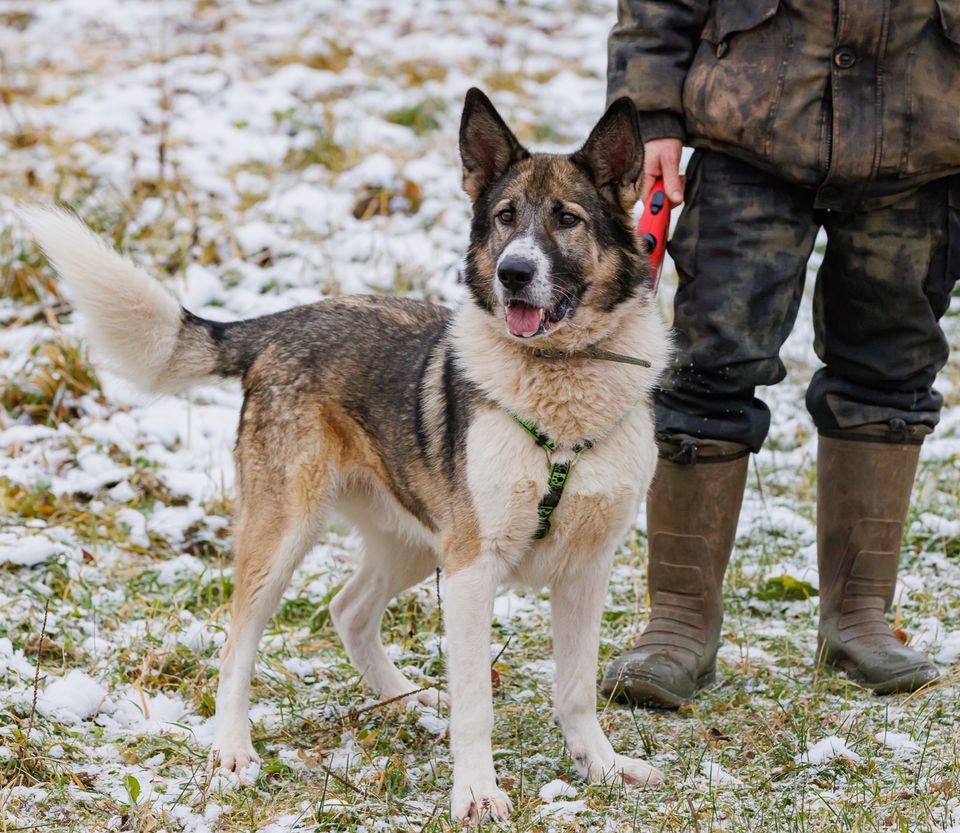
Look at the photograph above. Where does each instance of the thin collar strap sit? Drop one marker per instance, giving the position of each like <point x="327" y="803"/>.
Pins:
<point x="592" y="352"/>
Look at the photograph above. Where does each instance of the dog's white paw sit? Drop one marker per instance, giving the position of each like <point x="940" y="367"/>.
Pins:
<point x="432" y="698"/>
<point x="478" y="802"/>
<point x="598" y="769"/>
<point x="236" y="754"/>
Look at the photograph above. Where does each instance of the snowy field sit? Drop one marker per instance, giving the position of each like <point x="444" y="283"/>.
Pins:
<point x="255" y="155"/>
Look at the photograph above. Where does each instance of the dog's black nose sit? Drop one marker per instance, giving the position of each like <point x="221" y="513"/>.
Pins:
<point x="515" y="273"/>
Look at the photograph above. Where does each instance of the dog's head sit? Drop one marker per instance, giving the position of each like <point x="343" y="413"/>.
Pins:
<point x="552" y="253"/>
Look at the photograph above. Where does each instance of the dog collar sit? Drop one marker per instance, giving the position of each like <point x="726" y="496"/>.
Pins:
<point x="556" y="476"/>
<point x="592" y="352"/>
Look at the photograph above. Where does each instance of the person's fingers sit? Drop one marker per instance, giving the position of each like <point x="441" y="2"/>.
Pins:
<point x="648" y="180"/>
<point x="672" y="182"/>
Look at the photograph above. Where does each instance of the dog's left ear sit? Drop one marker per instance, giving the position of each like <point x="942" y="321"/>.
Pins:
<point x="487" y="146"/>
<point x="614" y="155"/>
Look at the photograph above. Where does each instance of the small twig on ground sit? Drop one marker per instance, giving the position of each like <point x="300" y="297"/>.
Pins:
<point x="693" y="815"/>
<point x="367" y="796"/>
<point x="36" y="675"/>
<point x="506" y="645"/>
<point x="355" y="713"/>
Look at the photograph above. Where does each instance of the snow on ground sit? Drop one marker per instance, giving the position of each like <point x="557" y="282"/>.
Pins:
<point x="256" y="155"/>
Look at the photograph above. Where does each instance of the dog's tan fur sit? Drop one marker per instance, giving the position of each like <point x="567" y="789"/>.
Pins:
<point x="398" y="414"/>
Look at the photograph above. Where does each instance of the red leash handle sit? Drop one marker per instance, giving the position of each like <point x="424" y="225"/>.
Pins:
<point x="653" y="229"/>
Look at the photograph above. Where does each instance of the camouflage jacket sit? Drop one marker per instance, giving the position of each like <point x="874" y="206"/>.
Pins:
<point x="858" y="99"/>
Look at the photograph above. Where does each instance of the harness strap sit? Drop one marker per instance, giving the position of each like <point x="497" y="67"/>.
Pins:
<point x="539" y="437"/>
<point x="556" y="476"/>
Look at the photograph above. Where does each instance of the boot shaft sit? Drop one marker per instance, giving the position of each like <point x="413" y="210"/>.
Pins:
<point x="863" y="496"/>
<point x="692" y="513"/>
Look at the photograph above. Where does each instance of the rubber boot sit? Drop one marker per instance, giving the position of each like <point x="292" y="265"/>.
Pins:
<point x="863" y="495"/>
<point x="692" y="512"/>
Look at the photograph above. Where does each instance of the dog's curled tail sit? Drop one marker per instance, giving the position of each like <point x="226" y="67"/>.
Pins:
<point x="136" y="325"/>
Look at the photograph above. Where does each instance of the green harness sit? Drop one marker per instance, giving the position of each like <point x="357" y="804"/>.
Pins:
<point x="557" y="474"/>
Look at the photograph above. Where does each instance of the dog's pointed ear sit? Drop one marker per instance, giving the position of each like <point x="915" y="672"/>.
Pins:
<point x="614" y="155"/>
<point x="487" y="146"/>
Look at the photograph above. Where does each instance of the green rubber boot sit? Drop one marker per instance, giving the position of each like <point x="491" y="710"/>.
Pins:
<point x="692" y="513"/>
<point x="863" y="495"/>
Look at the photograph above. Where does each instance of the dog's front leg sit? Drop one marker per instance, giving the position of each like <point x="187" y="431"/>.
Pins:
<point x="577" y="605"/>
<point x="468" y="611"/>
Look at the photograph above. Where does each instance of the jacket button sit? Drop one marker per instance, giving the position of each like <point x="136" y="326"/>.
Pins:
<point x="844" y="58"/>
<point x="722" y="48"/>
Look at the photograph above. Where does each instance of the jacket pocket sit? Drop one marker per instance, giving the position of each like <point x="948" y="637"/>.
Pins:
<point x="728" y="17"/>
<point x="732" y="91"/>
<point x="950" y="19"/>
<point x="933" y="127"/>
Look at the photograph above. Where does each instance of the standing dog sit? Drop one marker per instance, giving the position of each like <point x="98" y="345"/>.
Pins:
<point x="434" y="431"/>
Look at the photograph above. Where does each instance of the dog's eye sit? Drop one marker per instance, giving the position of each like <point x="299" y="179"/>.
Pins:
<point x="505" y="216"/>
<point x="568" y="220"/>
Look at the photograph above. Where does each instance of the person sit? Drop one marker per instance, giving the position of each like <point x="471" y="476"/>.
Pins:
<point x="804" y="114"/>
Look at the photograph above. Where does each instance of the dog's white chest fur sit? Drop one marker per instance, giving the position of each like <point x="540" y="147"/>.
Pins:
<point x="507" y="475"/>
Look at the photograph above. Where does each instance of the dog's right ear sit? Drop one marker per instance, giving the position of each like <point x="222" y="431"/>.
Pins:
<point x="614" y="155"/>
<point x="487" y="147"/>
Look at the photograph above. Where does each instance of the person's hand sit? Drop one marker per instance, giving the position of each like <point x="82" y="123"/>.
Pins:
<point x="661" y="159"/>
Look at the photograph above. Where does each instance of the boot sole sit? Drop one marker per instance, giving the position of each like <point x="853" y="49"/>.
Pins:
<point x="647" y="694"/>
<point x="905" y="683"/>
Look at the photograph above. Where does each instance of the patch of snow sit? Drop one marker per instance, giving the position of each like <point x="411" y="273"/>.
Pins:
<point x="717" y="775"/>
<point x="149" y="713"/>
<point x="557" y="789"/>
<point x="948" y="650"/>
<point x="433" y="723"/>
<point x="173" y="569"/>
<point x="562" y="809"/>
<point x="898" y="741"/>
<point x="299" y="667"/>
<point x="828" y="749"/>
<point x="72" y="699"/>
<point x="135" y="523"/>
<point x="510" y="604"/>
<point x="27" y="550"/>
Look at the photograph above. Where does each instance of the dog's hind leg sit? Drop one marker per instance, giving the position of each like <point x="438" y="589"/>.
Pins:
<point x="271" y="540"/>
<point x="577" y="604"/>
<point x="389" y="565"/>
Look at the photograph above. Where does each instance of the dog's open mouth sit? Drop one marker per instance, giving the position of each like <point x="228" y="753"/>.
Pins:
<point x="526" y="321"/>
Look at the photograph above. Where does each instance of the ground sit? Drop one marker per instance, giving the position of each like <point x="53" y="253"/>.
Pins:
<point x="254" y="155"/>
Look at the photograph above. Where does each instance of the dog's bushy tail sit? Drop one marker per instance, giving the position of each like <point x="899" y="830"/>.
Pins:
<point x="136" y="325"/>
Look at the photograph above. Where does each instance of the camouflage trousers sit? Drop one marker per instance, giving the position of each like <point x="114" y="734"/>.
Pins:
<point x="741" y="248"/>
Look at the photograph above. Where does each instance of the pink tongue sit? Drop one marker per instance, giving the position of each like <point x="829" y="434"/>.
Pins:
<point x="523" y="320"/>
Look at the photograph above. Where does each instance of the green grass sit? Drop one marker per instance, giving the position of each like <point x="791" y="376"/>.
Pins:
<point x="754" y="723"/>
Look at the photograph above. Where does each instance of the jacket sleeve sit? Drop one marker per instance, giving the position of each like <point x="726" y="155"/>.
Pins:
<point x="650" y="50"/>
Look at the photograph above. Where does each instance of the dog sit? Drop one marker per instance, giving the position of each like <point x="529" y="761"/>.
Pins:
<point x="434" y="431"/>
